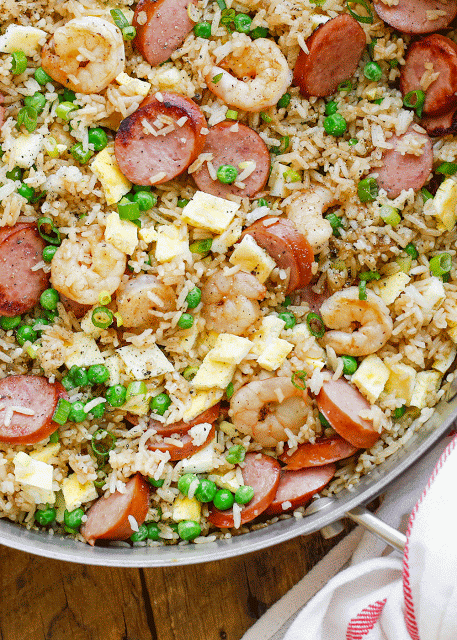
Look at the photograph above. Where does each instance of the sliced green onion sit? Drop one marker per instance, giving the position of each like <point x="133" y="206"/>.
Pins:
<point x="346" y="85"/>
<point x="265" y="117"/>
<point x="447" y="168"/>
<point x="324" y="422"/>
<point x="41" y="76"/>
<point x="390" y="215"/>
<point x="405" y="264"/>
<point x="412" y="251"/>
<point x="103" y="442"/>
<point x="440" y="264"/>
<point x="65" y="110"/>
<point x="216" y="78"/>
<point x="426" y="195"/>
<point x="221" y="4"/>
<point x="128" y="210"/>
<point x="371" y="46"/>
<point x="259" y="32"/>
<point x="189" y="373"/>
<point x="62" y="411"/>
<point x="231" y="115"/>
<point x="201" y="246"/>
<point x="129" y="33"/>
<point x="291" y="175"/>
<point x="362" y="290"/>
<point x="369" y="276"/>
<point x="137" y="388"/>
<point x="54" y="437"/>
<point x="27" y="116"/>
<point x="364" y="19"/>
<point x="51" y="237"/>
<point x="182" y="202"/>
<point x="415" y="100"/>
<point x="298" y="379"/>
<point x="399" y="412"/>
<point x="18" y="63"/>
<point x="102" y="317"/>
<point x="335" y="223"/>
<point x="119" y="18"/>
<point x="104" y="298"/>
<point x="229" y="391"/>
<point x="315" y="324"/>
<point x="367" y="190"/>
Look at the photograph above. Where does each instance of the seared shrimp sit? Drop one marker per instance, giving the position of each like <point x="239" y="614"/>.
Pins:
<point x="264" y="409"/>
<point x="230" y="302"/>
<point x="260" y="76"/>
<point x="306" y="212"/>
<point x="86" y="54"/>
<point x="81" y="269"/>
<point x="361" y="326"/>
<point x="139" y="296"/>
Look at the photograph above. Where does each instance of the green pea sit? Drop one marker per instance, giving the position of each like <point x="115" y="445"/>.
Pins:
<point x="140" y="535"/>
<point x="79" y="376"/>
<point x="45" y="516"/>
<point x="372" y="71"/>
<point x="399" y="412"/>
<point x="68" y="95"/>
<point x="287" y="301"/>
<point x="98" y="138"/>
<point x="145" y="200"/>
<point x="73" y="519"/>
<point x="223" y="499"/>
<point x="226" y="174"/>
<point x="49" y="252"/>
<point x="68" y="383"/>
<point x="349" y="365"/>
<point x="98" y="374"/>
<point x="7" y="323"/>
<point x="77" y="413"/>
<point x="243" y="495"/>
<point x="182" y="202"/>
<point x="26" y="192"/>
<point x="284" y="101"/>
<point x="289" y="319"/>
<point x="189" y="530"/>
<point x="206" y="490"/>
<point x="412" y="251"/>
<point x="160" y="403"/>
<point x="156" y="483"/>
<point x="236" y="454"/>
<point x="193" y="297"/>
<point x="242" y="23"/>
<point x="335" y="125"/>
<point x="185" y="481"/>
<point x="49" y="299"/>
<point x="185" y="321"/>
<point x="25" y="334"/>
<point x="331" y="108"/>
<point x="116" y="395"/>
<point x="153" y="531"/>
<point x="203" y="30"/>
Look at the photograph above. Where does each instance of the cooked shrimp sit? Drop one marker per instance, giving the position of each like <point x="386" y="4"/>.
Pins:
<point x="86" y="54"/>
<point x="306" y="211"/>
<point x="361" y="326"/>
<point x="264" y="409"/>
<point x="230" y="302"/>
<point x="81" y="269"/>
<point x="260" y="77"/>
<point x="141" y="295"/>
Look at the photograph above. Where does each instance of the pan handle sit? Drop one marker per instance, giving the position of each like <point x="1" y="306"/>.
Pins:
<point x="362" y="516"/>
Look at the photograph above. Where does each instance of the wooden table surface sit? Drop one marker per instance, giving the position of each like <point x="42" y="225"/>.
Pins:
<point x="45" y="599"/>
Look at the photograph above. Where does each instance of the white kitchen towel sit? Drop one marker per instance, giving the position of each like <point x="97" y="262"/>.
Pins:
<point x="379" y="597"/>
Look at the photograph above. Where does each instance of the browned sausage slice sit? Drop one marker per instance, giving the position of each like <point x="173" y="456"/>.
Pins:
<point x="441" y="52"/>
<point x="209" y="416"/>
<point x="21" y="248"/>
<point x="296" y="488"/>
<point x="78" y="309"/>
<point x="313" y="300"/>
<point x="341" y="404"/>
<point x="161" y="27"/>
<point x="412" y="16"/>
<point x="234" y="147"/>
<point x="262" y="474"/>
<point x="323" y="451"/>
<point x="287" y="246"/>
<point x="405" y="171"/>
<point x="439" y="126"/>
<point x="177" y="452"/>
<point x="335" y="49"/>
<point x="153" y="158"/>
<point x="108" y="518"/>
<point x="33" y="394"/>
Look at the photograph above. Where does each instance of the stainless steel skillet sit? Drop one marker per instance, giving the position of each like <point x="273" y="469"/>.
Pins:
<point x="369" y="487"/>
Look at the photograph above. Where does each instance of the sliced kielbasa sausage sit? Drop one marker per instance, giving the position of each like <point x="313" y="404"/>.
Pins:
<point x="108" y="518"/>
<point x="161" y="27"/>
<point x="341" y="404"/>
<point x="21" y="248"/>
<point x="78" y="309"/>
<point x="312" y="299"/>
<point x="38" y="398"/>
<point x="144" y="154"/>
<point x="296" y="488"/>
<point x="187" y="447"/>
<point x="287" y="246"/>
<point x="415" y="16"/>
<point x="403" y="171"/>
<point x="323" y="451"/>
<point x="208" y="416"/>
<point x="441" y="52"/>
<point x="234" y="147"/>
<point x="443" y="125"/>
<point x="262" y="474"/>
<point x="335" y="49"/>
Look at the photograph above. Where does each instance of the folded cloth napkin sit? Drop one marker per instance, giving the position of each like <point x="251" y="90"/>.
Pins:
<point x="382" y="595"/>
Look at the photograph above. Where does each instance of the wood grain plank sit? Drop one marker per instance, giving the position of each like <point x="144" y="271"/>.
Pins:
<point x="62" y="600"/>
